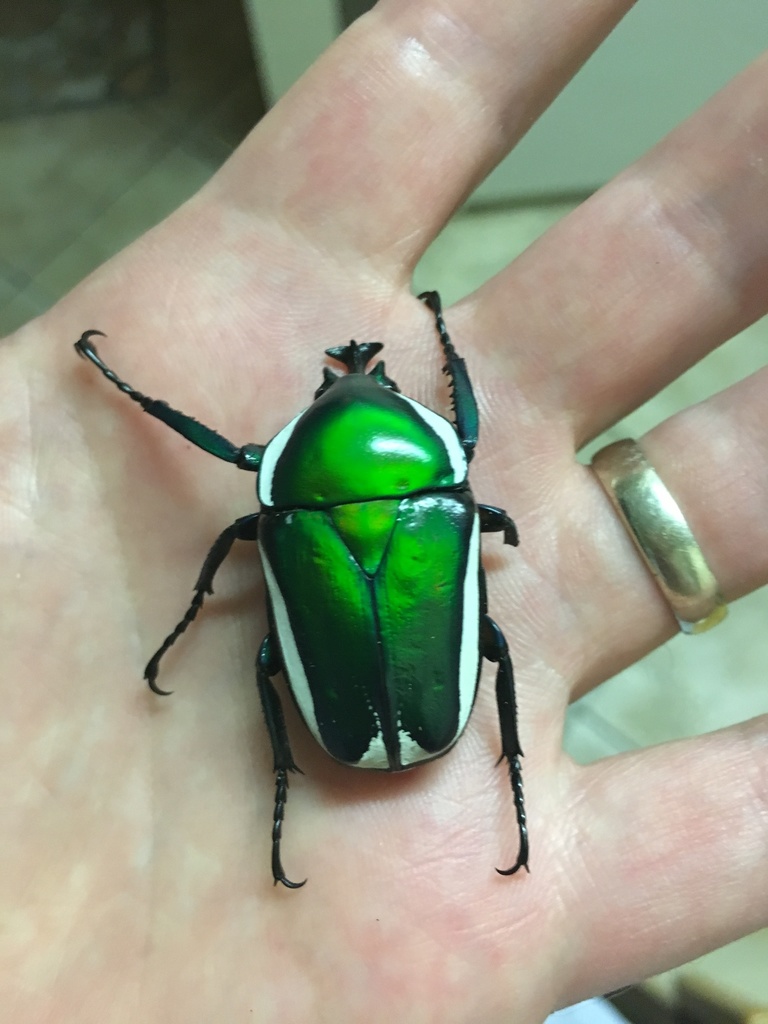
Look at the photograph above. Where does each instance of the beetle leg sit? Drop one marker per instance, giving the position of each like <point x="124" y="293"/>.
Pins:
<point x="247" y="456"/>
<point x="462" y="396"/>
<point x="494" y="648"/>
<point x="242" y="529"/>
<point x="494" y="520"/>
<point x="268" y="664"/>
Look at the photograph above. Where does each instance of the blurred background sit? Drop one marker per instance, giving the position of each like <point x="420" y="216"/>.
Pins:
<point x="113" y="112"/>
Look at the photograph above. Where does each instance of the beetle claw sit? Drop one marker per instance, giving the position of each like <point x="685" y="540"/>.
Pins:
<point x="155" y="688"/>
<point x="288" y="883"/>
<point x="85" y="349"/>
<point x="514" y="869"/>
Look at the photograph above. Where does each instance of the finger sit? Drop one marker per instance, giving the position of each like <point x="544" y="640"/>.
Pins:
<point x="672" y="844"/>
<point x="405" y="114"/>
<point x="664" y="263"/>
<point x="713" y="458"/>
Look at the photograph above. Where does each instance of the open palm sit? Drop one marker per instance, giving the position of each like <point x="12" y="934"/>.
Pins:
<point x="139" y="887"/>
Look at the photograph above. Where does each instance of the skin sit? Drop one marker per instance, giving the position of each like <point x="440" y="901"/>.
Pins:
<point x="135" y="882"/>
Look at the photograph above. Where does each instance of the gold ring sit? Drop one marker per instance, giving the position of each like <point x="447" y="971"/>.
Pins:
<point x="662" y="535"/>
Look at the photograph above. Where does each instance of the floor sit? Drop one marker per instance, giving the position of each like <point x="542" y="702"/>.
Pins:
<point x="78" y="185"/>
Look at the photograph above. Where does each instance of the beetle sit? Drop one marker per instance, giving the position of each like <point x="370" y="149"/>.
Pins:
<point x="376" y="599"/>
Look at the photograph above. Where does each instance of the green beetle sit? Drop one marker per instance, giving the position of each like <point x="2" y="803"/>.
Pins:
<point x="369" y="539"/>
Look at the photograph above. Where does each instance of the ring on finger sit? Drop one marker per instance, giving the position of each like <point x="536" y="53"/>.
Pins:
<point x="662" y="535"/>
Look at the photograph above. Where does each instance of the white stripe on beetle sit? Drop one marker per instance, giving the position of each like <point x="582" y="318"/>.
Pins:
<point x="469" y="657"/>
<point x="447" y="434"/>
<point x="292" y="663"/>
<point x="272" y="453"/>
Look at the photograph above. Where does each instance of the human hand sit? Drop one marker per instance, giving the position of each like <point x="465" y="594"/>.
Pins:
<point x="137" y="880"/>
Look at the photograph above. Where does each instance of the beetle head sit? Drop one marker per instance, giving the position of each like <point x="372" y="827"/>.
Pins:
<point x="355" y="357"/>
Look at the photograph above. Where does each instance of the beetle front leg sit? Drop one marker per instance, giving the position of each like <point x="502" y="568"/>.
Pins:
<point x="462" y="396"/>
<point x="268" y="664"/>
<point x="494" y="520"/>
<point x="246" y="456"/>
<point x="494" y="648"/>
<point x="244" y="528"/>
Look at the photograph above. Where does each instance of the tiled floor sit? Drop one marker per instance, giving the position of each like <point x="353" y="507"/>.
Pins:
<point x="79" y="185"/>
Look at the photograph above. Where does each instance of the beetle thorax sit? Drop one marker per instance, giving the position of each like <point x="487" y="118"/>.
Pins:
<point x="357" y="442"/>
